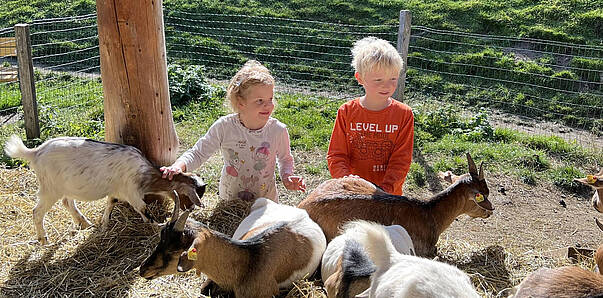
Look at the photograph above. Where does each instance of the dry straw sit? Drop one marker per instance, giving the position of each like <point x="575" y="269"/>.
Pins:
<point x="81" y="263"/>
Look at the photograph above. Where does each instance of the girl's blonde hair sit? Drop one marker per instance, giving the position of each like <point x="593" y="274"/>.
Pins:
<point x="251" y="74"/>
<point x="372" y="53"/>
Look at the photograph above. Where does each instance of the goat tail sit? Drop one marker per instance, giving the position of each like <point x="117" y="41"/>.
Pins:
<point x="378" y="244"/>
<point x="15" y="148"/>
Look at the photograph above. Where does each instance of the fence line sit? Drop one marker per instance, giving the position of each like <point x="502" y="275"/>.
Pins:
<point x="539" y="79"/>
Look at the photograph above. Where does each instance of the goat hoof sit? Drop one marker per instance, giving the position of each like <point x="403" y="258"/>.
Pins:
<point x="43" y="240"/>
<point x="84" y="225"/>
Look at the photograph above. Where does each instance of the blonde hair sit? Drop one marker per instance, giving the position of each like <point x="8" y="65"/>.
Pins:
<point x="252" y="73"/>
<point x="372" y="53"/>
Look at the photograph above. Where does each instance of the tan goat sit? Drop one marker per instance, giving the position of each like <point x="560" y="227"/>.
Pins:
<point x="564" y="282"/>
<point x="338" y="201"/>
<point x="569" y="281"/>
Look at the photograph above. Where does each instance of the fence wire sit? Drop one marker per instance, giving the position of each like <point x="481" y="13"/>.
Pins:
<point x="537" y="86"/>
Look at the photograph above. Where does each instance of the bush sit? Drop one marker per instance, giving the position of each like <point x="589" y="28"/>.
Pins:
<point x="188" y="83"/>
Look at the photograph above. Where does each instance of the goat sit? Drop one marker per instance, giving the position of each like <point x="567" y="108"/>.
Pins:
<point x="564" y="282"/>
<point x="337" y="201"/>
<point x="596" y="182"/>
<point x="345" y="267"/>
<point x="274" y="246"/>
<point x="400" y="275"/>
<point x="568" y="281"/>
<point x="87" y="170"/>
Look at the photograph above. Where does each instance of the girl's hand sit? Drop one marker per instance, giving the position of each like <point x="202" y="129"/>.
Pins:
<point x="169" y="172"/>
<point x="294" y="183"/>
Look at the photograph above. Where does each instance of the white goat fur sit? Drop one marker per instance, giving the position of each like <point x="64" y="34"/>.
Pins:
<point x="86" y="170"/>
<point x="265" y="213"/>
<point x="401" y="275"/>
<point x="354" y="231"/>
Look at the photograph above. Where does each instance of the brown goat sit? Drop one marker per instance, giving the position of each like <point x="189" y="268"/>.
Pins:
<point x="271" y="254"/>
<point x="564" y="282"/>
<point x="567" y="281"/>
<point x="338" y="201"/>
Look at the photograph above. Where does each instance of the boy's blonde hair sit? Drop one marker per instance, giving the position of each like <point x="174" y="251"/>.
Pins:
<point x="372" y="53"/>
<point x="251" y="74"/>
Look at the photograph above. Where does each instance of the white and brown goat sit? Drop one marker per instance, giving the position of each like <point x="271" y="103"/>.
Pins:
<point x="337" y="201"/>
<point x="273" y="247"/>
<point x="407" y="276"/>
<point x="346" y="268"/>
<point x="86" y="170"/>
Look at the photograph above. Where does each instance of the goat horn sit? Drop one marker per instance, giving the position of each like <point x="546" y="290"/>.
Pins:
<point x="481" y="171"/>
<point x="176" y="199"/>
<point x="599" y="224"/>
<point x="472" y="168"/>
<point x="179" y="226"/>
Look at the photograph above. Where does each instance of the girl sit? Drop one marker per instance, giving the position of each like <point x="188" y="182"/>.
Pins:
<point x="250" y="141"/>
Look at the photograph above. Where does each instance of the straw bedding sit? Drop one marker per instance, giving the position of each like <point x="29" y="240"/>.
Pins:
<point x="494" y="252"/>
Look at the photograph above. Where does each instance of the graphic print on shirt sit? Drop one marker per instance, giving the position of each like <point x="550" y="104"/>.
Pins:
<point x="261" y="156"/>
<point x="371" y="141"/>
<point x="234" y="163"/>
<point x="248" y="184"/>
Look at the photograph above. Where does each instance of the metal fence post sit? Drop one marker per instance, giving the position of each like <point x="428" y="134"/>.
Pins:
<point x="27" y="81"/>
<point x="402" y="47"/>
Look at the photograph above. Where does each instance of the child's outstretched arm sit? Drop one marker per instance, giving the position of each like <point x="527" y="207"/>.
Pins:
<point x="400" y="159"/>
<point x="199" y="153"/>
<point x="286" y="164"/>
<point x="338" y="155"/>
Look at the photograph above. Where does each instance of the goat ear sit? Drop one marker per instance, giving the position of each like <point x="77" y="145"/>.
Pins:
<point x="184" y="263"/>
<point x="472" y="167"/>
<point x="481" y="171"/>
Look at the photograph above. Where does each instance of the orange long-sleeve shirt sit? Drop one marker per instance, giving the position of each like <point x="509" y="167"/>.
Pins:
<point x="376" y="146"/>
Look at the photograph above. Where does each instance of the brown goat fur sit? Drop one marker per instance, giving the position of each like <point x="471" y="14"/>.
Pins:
<point x="253" y="267"/>
<point x="338" y="201"/>
<point x="563" y="282"/>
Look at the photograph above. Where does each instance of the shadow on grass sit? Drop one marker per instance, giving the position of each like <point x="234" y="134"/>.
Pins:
<point x="431" y="177"/>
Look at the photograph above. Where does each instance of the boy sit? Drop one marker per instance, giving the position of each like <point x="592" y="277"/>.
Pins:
<point x="373" y="135"/>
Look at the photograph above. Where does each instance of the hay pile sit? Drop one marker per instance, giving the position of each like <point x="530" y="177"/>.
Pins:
<point x="105" y="263"/>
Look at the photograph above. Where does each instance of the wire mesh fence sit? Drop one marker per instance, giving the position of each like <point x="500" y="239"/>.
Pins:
<point x="537" y="86"/>
<point x="9" y="84"/>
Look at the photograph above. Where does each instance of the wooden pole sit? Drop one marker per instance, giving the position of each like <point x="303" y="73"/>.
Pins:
<point x="27" y="82"/>
<point x="402" y="46"/>
<point x="134" y="74"/>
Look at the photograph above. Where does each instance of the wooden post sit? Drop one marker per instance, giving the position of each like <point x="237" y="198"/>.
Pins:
<point x="134" y="74"/>
<point x="402" y="46"/>
<point x="27" y="82"/>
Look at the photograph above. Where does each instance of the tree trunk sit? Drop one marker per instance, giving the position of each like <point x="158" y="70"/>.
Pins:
<point x="134" y="74"/>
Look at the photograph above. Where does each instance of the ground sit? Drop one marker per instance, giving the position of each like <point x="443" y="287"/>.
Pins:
<point x="530" y="228"/>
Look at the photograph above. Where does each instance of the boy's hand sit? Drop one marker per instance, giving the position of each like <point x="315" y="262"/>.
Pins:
<point x="294" y="183"/>
<point x="169" y="172"/>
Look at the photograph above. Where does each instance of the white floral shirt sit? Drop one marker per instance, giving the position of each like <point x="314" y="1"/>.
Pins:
<point x="249" y="156"/>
